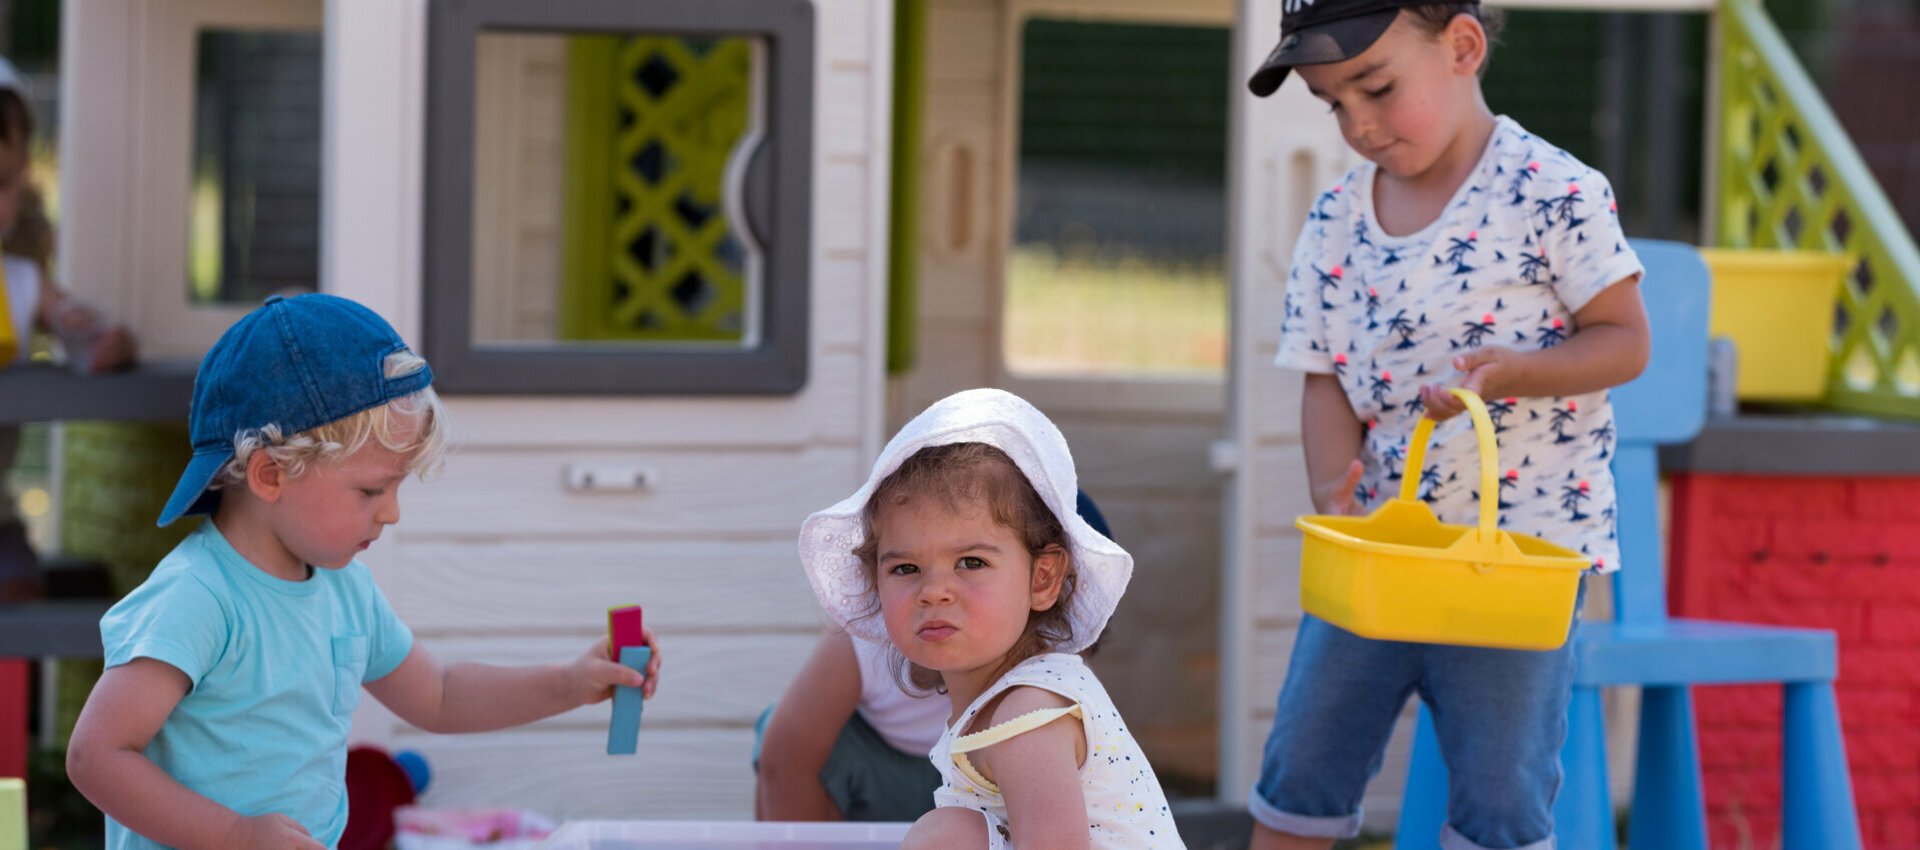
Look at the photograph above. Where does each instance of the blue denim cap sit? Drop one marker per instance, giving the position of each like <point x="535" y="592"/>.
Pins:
<point x="298" y="363"/>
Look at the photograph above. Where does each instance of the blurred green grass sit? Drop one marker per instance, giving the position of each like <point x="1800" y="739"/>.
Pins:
<point x="1086" y="317"/>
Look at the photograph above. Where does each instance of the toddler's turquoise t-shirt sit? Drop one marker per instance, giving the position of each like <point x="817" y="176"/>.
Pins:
<point x="276" y="668"/>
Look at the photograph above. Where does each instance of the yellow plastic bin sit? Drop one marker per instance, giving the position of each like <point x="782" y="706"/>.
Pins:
<point x="1401" y="574"/>
<point x="1778" y="308"/>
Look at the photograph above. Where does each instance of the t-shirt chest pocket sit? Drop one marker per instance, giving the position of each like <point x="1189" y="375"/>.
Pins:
<point x="349" y="668"/>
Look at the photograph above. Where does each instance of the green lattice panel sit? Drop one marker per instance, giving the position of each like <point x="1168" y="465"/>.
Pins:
<point x="1789" y="177"/>
<point x="116" y="476"/>
<point x="652" y="122"/>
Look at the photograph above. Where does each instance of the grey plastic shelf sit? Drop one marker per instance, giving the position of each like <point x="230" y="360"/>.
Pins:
<point x="1799" y="444"/>
<point x="68" y="628"/>
<point x="159" y="390"/>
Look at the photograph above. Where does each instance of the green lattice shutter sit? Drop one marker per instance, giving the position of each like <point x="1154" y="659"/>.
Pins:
<point x="1791" y="178"/>
<point x="649" y="254"/>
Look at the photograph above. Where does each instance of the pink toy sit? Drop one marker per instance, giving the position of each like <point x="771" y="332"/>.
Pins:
<point x="623" y="629"/>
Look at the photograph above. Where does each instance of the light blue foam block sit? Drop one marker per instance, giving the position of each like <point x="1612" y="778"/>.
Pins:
<point x="623" y="734"/>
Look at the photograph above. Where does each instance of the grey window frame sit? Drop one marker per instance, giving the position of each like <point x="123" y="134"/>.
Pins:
<point x="777" y="200"/>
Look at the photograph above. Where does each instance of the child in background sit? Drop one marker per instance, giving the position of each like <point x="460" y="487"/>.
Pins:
<point x="962" y="552"/>
<point x="1462" y="246"/>
<point x="93" y="345"/>
<point x="29" y="300"/>
<point x="233" y="671"/>
<point x="847" y="742"/>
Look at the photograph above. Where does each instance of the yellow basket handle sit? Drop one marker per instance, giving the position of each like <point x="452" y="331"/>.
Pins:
<point x="1489" y="460"/>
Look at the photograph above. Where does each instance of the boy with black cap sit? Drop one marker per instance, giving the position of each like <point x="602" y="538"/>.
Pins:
<point x="1463" y="252"/>
<point x="233" y="671"/>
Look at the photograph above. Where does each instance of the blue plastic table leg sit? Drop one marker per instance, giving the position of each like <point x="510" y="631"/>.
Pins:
<point x="1669" y="809"/>
<point x="1817" y="793"/>
<point x="1423" y="805"/>
<point x="623" y="733"/>
<point x="1583" y="814"/>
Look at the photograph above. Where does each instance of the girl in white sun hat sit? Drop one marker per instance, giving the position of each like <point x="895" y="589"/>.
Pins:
<point x="964" y="553"/>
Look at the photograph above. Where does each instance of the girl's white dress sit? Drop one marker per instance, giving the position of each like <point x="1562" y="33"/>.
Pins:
<point x="1125" y="807"/>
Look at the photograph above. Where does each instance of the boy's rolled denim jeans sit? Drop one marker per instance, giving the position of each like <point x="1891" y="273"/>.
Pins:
<point x="1500" y="716"/>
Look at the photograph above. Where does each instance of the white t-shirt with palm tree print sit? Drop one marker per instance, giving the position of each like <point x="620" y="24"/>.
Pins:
<point x="1526" y="241"/>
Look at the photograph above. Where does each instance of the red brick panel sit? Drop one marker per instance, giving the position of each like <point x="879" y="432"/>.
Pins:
<point x="1833" y="553"/>
<point x="1893" y="622"/>
<point x="1896" y="830"/>
<point x="1739" y="829"/>
<point x="13" y="717"/>
<point x="1739" y="705"/>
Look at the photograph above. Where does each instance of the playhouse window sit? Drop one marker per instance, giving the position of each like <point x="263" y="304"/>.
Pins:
<point x="1120" y="212"/>
<point x="617" y="197"/>
<point x="254" y="202"/>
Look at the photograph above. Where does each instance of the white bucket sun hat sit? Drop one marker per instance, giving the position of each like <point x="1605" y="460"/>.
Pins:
<point x="1008" y="423"/>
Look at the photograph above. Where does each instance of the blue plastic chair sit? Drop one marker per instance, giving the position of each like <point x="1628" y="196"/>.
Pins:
<point x="1665" y="657"/>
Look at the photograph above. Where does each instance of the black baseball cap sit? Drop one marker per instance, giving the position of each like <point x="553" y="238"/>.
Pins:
<point x="1316" y="32"/>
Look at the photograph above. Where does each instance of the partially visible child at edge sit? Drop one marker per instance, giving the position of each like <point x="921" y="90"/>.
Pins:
<point x="1464" y="251"/>
<point x="847" y="742"/>
<point x="963" y="552"/>
<point x="233" y="671"/>
<point x="32" y="301"/>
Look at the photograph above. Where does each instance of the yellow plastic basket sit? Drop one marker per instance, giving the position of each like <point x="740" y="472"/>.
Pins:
<point x="1402" y="574"/>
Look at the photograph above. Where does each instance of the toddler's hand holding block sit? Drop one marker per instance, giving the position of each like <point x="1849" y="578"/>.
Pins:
<point x="626" y="644"/>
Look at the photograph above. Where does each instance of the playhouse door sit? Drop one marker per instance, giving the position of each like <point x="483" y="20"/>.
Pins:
<point x="1072" y="183"/>
<point x="1094" y="189"/>
<point x="1285" y="148"/>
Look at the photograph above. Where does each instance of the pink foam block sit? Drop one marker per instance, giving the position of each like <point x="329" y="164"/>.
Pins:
<point x="623" y="629"/>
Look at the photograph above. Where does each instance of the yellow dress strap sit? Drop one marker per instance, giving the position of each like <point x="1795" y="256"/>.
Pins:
<point x="9" y="343"/>
<point x="1000" y="732"/>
